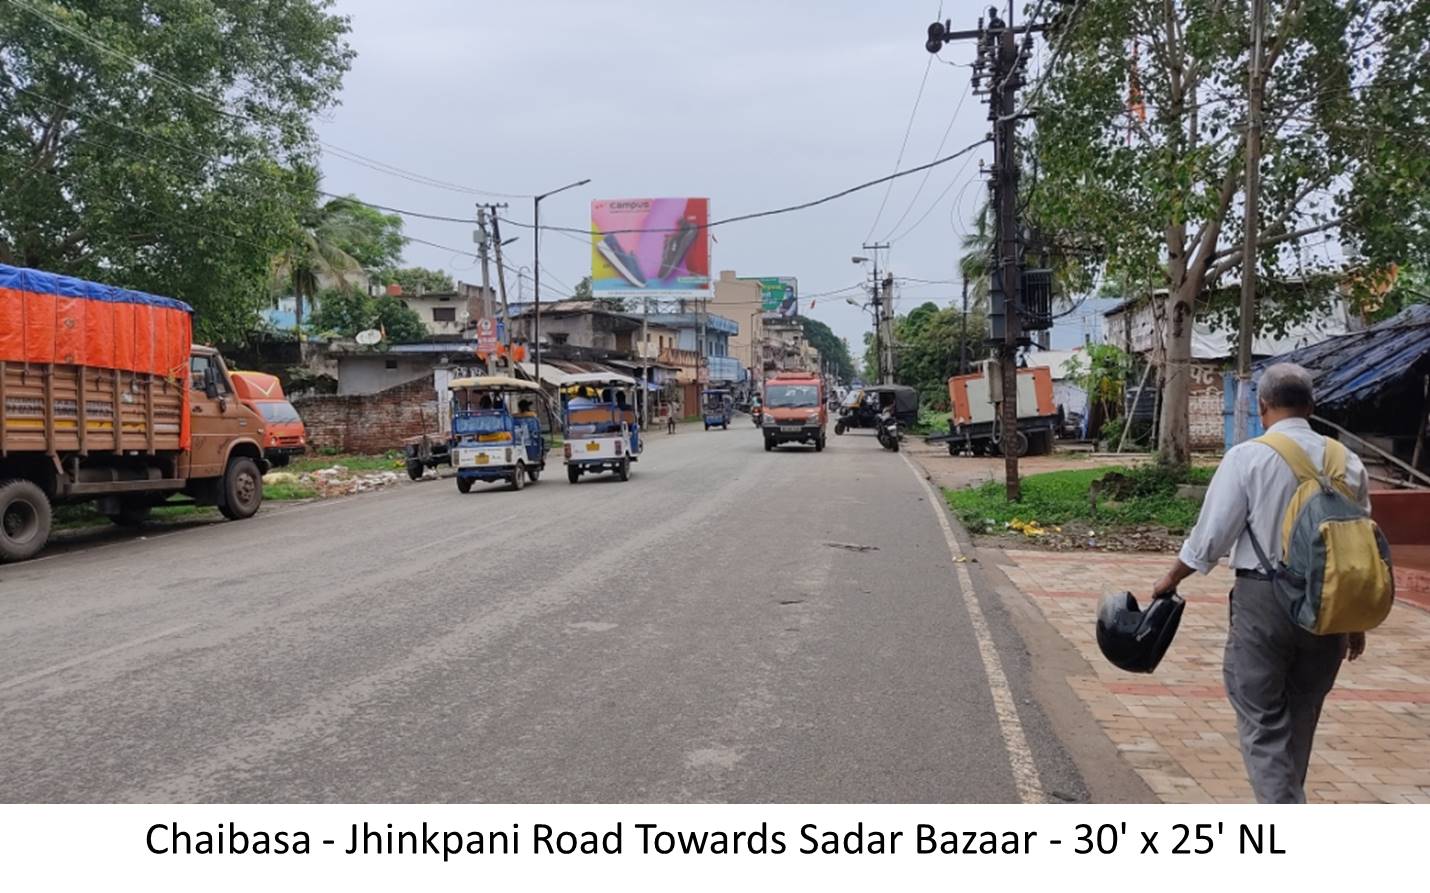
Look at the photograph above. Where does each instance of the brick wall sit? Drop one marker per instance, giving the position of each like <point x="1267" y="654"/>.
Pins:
<point x="370" y="423"/>
<point x="1205" y="407"/>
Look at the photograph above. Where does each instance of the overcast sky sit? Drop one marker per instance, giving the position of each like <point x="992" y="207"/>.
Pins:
<point x="753" y="104"/>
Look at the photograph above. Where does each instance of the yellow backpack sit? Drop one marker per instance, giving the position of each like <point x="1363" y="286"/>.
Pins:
<point x="1335" y="574"/>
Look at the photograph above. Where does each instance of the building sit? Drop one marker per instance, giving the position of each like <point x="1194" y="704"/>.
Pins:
<point x="784" y="347"/>
<point x="450" y="313"/>
<point x="742" y="301"/>
<point x="368" y="370"/>
<point x="1135" y="326"/>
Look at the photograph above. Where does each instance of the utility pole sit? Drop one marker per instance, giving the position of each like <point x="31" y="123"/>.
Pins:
<point x="501" y="286"/>
<point x="882" y="363"/>
<point x="1000" y="65"/>
<point x="1242" y="411"/>
<point x="888" y="319"/>
<point x="483" y="239"/>
<point x="645" y="364"/>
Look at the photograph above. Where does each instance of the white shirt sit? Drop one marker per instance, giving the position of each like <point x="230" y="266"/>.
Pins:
<point x="1254" y="482"/>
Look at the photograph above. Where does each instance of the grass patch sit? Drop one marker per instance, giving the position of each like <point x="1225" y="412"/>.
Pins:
<point x="392" y="460"/>
<point x="286" y="492"/>
<point x="1062" y="496"/>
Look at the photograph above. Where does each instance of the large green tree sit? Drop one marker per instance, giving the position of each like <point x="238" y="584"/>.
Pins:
<point x="1140" y="145"/>
<point x="831" y="347"/>
<point x="346" y="311"/>
<point x="156" y="144"/>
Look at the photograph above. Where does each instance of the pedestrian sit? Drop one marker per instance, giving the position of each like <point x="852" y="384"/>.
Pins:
<point x="1277" y="673"/>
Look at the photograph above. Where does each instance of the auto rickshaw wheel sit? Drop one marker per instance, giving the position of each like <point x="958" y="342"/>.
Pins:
<point x="464" y="485"/>
<point x="724" y="426"/>
<point x="624" y="471"/>
<point x="518" y="477"/>
<point x="415" y="469"/>
<point x="573" y="473"/>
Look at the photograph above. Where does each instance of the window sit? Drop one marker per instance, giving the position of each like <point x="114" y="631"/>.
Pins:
<point x="201" y="370"/>
<point x="444" y="314"/>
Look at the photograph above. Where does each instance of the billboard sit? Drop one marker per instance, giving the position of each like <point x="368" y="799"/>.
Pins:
<point x="650" y="247"/>
<point x="778" y="294"/>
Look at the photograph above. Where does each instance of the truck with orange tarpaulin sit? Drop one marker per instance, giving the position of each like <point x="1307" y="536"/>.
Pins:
<point x="105" y="398"/>
<point x="283" y="433"/>
<point x="975" y="425"/>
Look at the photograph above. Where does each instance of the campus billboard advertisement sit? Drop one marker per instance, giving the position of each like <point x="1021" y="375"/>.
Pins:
<point x="778" y="294"/>
<point x="648" y="247"/>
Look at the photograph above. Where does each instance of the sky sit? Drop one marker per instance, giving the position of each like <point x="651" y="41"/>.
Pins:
<point x="755" y="105"/>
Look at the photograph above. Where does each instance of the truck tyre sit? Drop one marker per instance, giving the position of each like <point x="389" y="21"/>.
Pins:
<point x="769" y="444"/>
<point x="819" y="443"/>
<point x="573" y="473"/>
<point x="415" y="469"/>
<point x="624" y="471"/>
<point x="533" y="474"/>
<point x="464" y="485"/>
<point x="241" y="490"/>
<point x="24" y="520"/>
<point x="952" y="448"/>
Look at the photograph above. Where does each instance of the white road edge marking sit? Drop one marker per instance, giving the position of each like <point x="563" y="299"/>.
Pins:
<point x="93" y="655"/>
<point x="1020" y="757"/>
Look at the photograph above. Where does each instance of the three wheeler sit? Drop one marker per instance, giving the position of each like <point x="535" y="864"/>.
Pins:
<point x="600" y="426"/>
<point x="496" y="432"/>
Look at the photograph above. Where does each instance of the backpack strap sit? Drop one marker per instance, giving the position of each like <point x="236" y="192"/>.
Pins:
<point x="1294" y="456"/>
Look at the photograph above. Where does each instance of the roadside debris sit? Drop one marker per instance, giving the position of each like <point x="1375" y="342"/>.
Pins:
<point x="853" y="547"/>
<point x="336" y="480"/>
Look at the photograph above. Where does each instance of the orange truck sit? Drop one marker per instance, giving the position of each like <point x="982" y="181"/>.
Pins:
<point x="974" y="425"/>
<point x="104" y="398"/>
<point x="284" y="435"/>
<point x="795" y="410"/>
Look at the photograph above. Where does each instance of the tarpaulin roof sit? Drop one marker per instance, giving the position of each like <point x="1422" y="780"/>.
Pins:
<point x="47" y="318"/>
<point x="1360" y="366"/>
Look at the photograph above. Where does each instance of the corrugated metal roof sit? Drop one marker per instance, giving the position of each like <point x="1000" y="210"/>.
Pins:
<point x="1352" y="368"/>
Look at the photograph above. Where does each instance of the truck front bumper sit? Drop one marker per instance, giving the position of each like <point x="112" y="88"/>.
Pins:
<point x="791" y="433"/>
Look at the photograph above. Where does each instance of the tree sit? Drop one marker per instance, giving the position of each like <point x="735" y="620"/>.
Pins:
<point x="336" y="241"/>
<point x="1140" y="149"/>
<point x="975" y="265"/>
<point x="930" y="340"/>
<point x="343" y="312"/>
<point x="831" y="347"/>
<point x="418" y="280"/>
<point x="155" y="145"/>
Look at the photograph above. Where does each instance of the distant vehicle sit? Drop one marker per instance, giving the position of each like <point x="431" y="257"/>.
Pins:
<point x="284" y="436"/>
<point x="718" y="407"/>
<point x="794" y="410"/>
<point x="863" y="408"/>
<point x="974" y="426"/>
<point x="496" y="432"/>
<point x="106" y="399"/>
<point x="600" y="427"/>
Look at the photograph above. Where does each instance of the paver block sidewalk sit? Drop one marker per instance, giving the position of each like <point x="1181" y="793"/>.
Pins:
<point x="1176" y="728"/>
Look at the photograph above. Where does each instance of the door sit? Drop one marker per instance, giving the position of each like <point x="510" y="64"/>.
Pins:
<point x="211" y="417"/>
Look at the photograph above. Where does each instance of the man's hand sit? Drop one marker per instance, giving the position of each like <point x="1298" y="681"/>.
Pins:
<point x="1355" y="647"/>
<point x="1165" y="586"/>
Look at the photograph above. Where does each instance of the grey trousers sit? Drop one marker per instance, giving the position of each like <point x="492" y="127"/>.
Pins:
<point x="1277" y="676"/>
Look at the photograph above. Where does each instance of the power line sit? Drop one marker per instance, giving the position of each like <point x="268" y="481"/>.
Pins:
<point x="913" y="114"/>
<point x="967" y="88"/>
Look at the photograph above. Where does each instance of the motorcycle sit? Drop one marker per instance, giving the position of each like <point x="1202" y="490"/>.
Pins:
<point x="757" y="415"/>
<point x="888" y="432"/>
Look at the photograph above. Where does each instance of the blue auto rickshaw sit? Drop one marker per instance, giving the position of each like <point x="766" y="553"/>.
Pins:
<point x="718" y="406"/>
<point x="496" y="432"/>
<point x="601" y="430"/>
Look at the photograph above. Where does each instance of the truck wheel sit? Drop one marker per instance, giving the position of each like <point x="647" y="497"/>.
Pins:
<point x="518" y="477"/>
<point x="24" y="520"/>
<point x="819" y="443"/>
<point x="132" y="513"/>
<point x="769" y="444"/>
<point x="464" y="485"/>
<point x="241" y="492"/>
<point x="624" y="471"/>
<point x="533" y="474"/>
<point x="952" y="449"/>
<point x="573" y="473"/>
<point x="415" y="469"/>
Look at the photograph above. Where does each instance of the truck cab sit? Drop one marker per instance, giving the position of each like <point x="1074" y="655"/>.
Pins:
<point x="284" y="435"/>
<point x="795" y="410"/>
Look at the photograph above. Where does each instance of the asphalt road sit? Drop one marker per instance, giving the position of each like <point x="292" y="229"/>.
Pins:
<point x="705" y="632"/>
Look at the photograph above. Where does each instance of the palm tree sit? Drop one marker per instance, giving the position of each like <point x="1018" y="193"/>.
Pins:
<point x="314" y="255"/>
<point x="975" y="266"/>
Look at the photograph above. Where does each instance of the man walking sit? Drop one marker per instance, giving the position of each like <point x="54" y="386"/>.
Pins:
<point x="1277" y="673"/>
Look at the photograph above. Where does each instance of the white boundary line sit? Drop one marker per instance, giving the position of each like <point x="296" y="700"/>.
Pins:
<point x="1020" y="757"/>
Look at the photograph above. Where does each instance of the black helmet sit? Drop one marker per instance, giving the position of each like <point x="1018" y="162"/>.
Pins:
<point x="1133" y="639"/>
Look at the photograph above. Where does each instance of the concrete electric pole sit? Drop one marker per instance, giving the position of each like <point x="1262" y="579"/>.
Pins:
<point x="1242" y="412"/>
